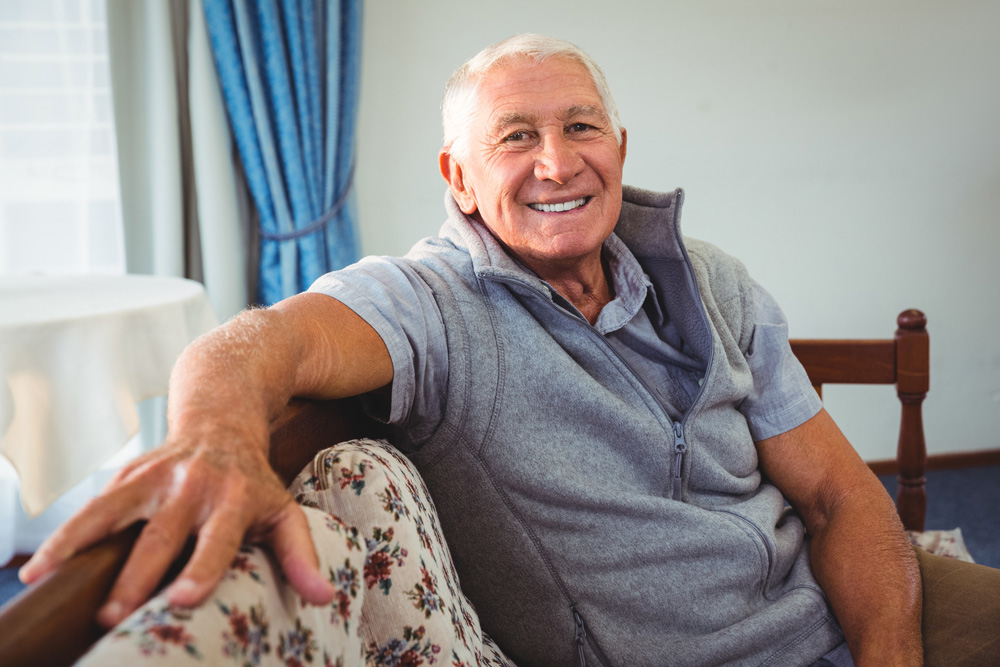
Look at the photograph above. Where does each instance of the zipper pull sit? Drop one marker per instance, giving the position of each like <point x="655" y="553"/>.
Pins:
<point x="581" y="636"/>
<point x="680" y="446"/>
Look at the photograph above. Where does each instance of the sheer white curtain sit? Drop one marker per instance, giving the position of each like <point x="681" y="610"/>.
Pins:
<point x="185" y="209"/>
<point x="58" y="174"/>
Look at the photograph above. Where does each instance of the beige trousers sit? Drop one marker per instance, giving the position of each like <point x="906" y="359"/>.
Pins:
<point x="961" y="624"/>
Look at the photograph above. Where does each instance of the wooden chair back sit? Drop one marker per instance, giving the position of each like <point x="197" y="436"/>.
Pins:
<point x="52" y="623"/>
<point x="903" y="361"/>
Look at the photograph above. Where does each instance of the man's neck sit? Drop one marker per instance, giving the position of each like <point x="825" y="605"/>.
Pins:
<point x="586" y="284"/>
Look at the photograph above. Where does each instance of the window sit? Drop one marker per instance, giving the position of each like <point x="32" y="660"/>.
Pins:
<point x="59" y="202"/>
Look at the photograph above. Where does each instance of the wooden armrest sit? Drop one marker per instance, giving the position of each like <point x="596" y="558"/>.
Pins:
<point x="52" y="622"/>
<point x="308" y="426"/>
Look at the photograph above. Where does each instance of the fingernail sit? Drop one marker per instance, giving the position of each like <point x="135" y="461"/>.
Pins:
<point x="182" y="592"/>
<point x="110" y="615"/>
<point x="28" y="571"/>
<point x="324" y="591"/>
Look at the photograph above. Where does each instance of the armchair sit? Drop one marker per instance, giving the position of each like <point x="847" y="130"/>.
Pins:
<point x="52" y="623"/>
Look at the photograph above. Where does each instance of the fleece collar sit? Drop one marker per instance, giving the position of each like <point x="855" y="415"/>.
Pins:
<point x="648" y="226"/>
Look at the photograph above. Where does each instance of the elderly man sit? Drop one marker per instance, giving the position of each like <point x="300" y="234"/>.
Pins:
<point x="609" y="417"/>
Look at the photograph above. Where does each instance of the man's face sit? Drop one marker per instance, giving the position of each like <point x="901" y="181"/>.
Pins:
<point x="543" y="170"/>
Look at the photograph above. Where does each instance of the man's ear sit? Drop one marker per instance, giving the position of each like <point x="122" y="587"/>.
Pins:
<point x="623" y="146"/>
<point x="453" y="172"/>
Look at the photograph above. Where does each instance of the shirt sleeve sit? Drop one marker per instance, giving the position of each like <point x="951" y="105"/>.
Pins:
<point x="389" y="295"/>
<point x="782" y="396"/>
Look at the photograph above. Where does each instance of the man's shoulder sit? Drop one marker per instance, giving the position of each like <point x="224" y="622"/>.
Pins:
<point x="726" y="288"/>
<point x="722" y="270"/>
<point x="440" y="256"/>
<point x="428" y="262"/>
<point x="436" y="263"/>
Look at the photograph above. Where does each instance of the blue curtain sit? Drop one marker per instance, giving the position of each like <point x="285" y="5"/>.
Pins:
<point x="289" y="71"/>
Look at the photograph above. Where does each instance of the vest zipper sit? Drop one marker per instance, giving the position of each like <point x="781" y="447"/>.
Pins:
<point x="581" y="637"/>
<point x="680" y="446"/>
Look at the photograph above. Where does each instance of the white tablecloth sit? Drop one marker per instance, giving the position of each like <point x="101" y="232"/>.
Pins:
<point x="76" y="355"/>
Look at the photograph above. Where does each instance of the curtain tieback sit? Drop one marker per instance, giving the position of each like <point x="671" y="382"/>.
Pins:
<point x="319" y="222"/>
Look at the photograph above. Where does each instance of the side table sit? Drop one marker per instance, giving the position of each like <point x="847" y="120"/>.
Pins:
<point x="77" y="353"/>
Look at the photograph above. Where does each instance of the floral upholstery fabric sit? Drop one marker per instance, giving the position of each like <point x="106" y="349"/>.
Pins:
<point x="947" y="543"/>
<point x="377" y="534"/>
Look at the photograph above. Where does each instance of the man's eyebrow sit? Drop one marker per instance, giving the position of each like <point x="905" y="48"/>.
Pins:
<point x="578" y="110"/>
<point x="513" y="118"/>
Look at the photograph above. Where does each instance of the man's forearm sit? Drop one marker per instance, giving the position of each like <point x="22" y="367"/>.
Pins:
<point x="236" y="376"/>
<point x="867" y="568"/>
<point x="859" y="552"/>
<point x="242" y="374"/>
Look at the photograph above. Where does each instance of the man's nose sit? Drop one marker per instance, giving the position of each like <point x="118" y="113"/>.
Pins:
<point x="557" y="160"/>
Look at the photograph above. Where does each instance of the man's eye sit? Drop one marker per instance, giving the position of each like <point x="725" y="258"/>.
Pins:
<point x="520" y="135"/>
<point x="580" y="127"/>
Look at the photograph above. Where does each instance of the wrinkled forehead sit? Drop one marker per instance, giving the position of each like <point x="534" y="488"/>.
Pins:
<point x="521" y="89"/>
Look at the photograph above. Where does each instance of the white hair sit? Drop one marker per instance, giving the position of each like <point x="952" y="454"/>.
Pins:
<point x="461" y="93"/>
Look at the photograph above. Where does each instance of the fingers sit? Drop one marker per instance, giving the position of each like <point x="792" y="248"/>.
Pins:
<point x="125" y="500"/>
<point x="218" y="541"/>
<point x="200" y="500"/>
<point x="158" y="545"/>
<point x="293" y="546"/>
<point x="180" y="498"/>
<point x="100" y="517"/>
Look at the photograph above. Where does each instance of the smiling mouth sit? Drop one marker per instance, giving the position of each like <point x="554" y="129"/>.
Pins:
<point x="559" y="208"/>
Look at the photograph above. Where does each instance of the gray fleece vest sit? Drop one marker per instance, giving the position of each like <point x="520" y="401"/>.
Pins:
<point x="584" y="523"/>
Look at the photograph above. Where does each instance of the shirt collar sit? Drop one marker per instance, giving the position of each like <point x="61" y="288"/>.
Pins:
<point x="630" y="283"/>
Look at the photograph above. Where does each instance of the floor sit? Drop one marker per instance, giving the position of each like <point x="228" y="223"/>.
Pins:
<point x="969" y="499"/>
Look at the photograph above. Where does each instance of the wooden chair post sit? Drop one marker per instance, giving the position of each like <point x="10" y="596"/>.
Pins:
<point x="903" y="361"/>
<point x="912" y="384"/>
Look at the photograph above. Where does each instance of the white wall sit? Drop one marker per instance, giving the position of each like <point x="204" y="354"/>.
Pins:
<point x="848" y="152"/>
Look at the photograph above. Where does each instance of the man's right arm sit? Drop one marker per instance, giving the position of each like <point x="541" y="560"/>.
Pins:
<point x="211" y="477"/>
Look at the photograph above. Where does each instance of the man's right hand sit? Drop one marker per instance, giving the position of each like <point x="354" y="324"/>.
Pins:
<point x="218" y="487"/>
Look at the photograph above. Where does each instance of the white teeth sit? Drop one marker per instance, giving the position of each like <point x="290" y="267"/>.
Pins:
<point x="557" y="208"/>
